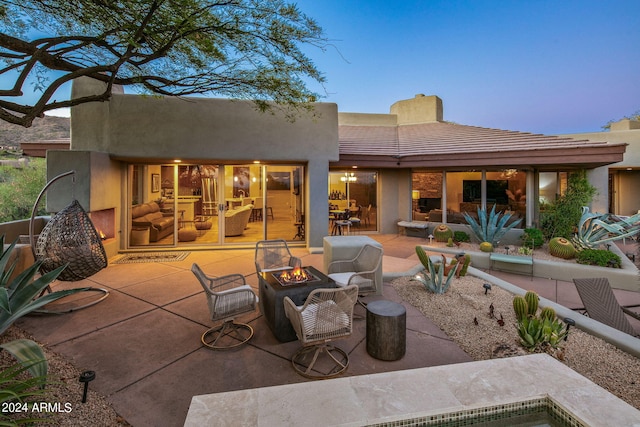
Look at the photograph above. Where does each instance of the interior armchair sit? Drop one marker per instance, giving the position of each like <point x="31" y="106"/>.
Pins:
<point x="227" y="296"/>
<point x="360" y="271"/>
<point x="326" y="315"/>
<point x="273" y="255"/>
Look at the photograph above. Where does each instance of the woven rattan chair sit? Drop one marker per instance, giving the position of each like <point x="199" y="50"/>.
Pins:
<point x="325" y="316"/>
<point x="273" y="255"/>
<point x="360" y="271"/>
<point x="601" y="304"/>
<point x="69" y="239"/>
<point x="228" y="296"/>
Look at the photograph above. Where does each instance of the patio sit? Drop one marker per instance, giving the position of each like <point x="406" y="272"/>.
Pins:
<point x="143" y="341"/>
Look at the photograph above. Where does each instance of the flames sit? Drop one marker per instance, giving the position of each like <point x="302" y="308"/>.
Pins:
<point x="297" y="275"/>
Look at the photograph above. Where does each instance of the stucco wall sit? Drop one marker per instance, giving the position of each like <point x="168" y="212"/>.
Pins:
<point x="626" y="199"/>
<point x="154" y="130"/>
<point x="144" y="127"/>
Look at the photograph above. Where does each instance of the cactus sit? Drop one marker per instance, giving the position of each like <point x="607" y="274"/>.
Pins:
<point x="532" y="302"/>
<point x="486" y="247"/>
<point x="442" y="233"/>
<point x="423" y="257"/>
<point x="548" y="313"/>
<point x="450" y="242"/>
<point x="465" y="265"/>
<point x="561" y="248"/>
<point x="520" y="307"/>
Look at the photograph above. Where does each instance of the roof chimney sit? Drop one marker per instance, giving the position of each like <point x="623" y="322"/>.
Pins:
<point x="420" y="109"/>
<point x="625" y="124"/>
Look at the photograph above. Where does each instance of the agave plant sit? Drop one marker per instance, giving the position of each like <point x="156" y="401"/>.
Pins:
<point x="22" y="296"/>
<point x="595" y="229"/>
<point x="492" y="228"/>
<point x="432" y="278"/>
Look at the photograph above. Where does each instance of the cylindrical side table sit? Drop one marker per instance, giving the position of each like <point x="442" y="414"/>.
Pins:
<point x="386" y="330"/>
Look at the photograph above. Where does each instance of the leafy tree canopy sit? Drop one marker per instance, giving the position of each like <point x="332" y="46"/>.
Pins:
<point x="248" y="49"/>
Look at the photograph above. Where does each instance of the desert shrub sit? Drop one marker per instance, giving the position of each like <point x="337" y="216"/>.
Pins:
<point x="19" y="189"/>
<point x="461" y="236"/>
<point x="601" y="257"/>
<point x="560" y="218"/>
<point x="532" y="238"/>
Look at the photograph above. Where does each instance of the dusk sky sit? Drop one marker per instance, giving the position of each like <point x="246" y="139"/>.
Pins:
<point x="537" y="66"/>
<point x="547" y="67"/>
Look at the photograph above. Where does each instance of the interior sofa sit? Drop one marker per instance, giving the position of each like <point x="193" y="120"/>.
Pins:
<point x="148" y="215"/>
<point x="236" y="220"/>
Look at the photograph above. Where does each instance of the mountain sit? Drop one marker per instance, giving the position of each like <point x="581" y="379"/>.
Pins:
<point x="45" y="128"/>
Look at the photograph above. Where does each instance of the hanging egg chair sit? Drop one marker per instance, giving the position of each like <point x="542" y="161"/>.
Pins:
<point x="69" y="239"/>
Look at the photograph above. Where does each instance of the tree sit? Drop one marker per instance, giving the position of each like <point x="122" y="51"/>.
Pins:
<point x="561" y="217"/>
<point x="247" y="49"/>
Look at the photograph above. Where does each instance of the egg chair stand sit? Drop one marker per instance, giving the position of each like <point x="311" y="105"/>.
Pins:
<point x="70" y="239"/>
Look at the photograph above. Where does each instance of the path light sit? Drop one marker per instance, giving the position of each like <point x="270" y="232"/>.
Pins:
<point x="487" y="288"/>
<point x="430" y="238"/>
<point x="86" y="377"/>
<point x="570" y="322"/>
<point x="506" y="248"/>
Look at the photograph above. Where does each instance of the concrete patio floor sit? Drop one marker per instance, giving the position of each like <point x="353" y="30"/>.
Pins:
<point x="143" y="341"/>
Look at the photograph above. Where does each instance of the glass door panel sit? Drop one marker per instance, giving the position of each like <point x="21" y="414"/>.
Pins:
<point x="243" y="201"/>
<point x="197" y="204"/>
<point x="151" y="219"/>
<point x="357" y="192"/>
<point x="283" y="212"/>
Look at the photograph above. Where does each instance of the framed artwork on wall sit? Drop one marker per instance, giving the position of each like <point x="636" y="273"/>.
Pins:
<point x="155" y="182"/>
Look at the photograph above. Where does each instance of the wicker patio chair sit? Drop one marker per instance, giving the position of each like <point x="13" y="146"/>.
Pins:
<point x="325" y="316"/>
<point x="69" y="239"/>
<point x="601" y="304"/>
<point x="272" y="255"/>
<point x="360" y="271"/>
<point x="227" y="296"/>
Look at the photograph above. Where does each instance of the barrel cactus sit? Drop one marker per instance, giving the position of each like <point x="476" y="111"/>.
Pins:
<point x="532" y="302"/>
<point x="548" y="313"/>
<point x="486" y="247"/>
<point x="520" y="307"/>
<point x="442" y="233"/>
<point x="561" y="248"/>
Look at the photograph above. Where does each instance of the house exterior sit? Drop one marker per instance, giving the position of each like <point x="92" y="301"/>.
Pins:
<point x="163" y="172"/>
<point x="624" y="176"/>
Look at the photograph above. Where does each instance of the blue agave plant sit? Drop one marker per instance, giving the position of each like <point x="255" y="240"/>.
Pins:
<point x="492" y="228"/>
<point x="595" y="229"/>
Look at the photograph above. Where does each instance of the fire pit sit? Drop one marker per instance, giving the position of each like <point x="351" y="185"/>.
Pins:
<point x="295" y="277"/>
<point x="273" y="290"/>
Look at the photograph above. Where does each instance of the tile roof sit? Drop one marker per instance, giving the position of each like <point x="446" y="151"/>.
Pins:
<point x="436" y="139"/>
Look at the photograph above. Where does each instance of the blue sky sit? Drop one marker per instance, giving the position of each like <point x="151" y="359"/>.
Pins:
<point x="548" y="67"/>
<point x="537" y="66"/>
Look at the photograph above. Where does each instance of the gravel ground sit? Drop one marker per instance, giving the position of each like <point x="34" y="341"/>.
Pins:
<point x="454" y="312"/>
<point x="66" y="392"/>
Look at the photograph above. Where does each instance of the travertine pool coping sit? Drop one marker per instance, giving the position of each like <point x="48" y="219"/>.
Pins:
<point x="392" y="396"/>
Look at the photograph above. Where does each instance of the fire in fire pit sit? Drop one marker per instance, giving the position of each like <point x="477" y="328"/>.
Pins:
<point x="293" y="277"/>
